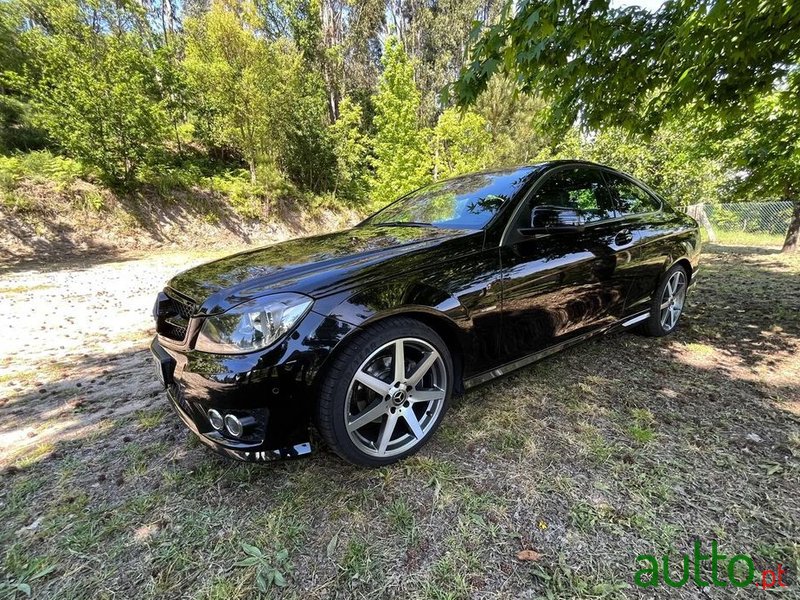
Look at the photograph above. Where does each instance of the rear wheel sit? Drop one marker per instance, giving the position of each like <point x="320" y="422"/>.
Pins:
<point x="386" y="393"/>
<point x="668" y="302"/>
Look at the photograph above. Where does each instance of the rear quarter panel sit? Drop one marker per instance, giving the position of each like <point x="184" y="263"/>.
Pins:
<point x="663" y="241"/>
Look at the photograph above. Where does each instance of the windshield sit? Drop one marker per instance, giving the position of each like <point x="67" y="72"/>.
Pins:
<point x="467" y="202"/>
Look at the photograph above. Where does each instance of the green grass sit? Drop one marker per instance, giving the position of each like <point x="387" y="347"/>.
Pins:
<point x="150" y="419"/>
<point x="622" y="446"/>
<point x="746" y="238"/>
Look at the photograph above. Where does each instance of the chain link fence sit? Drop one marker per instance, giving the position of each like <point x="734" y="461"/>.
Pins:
<point x="743" y="222"/>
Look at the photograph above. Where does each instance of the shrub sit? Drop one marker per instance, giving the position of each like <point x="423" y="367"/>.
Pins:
<point x="42" y="165"/>
<point x="245" y="197"/>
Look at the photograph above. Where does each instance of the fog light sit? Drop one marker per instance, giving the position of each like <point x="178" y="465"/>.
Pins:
<point x="234" y="425"/>
<point x="216" y="419"/>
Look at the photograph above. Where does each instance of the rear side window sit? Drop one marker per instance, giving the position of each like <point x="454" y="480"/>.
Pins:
<point x="631" y="198"/>
<point x="579" y="188"/>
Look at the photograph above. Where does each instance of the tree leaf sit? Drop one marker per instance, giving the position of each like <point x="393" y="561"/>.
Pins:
<point x="250" y="561"/>
<point x="331" y="548"/>
<point x="528" y="555"/>
<point x="252" y="550"/>
<point x="532" y="19"/>
<point x="685" y="74"/>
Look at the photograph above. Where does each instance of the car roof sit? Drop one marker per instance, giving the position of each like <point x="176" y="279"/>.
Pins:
<point x="569" y="161"/>
<point x="527" y="169"/>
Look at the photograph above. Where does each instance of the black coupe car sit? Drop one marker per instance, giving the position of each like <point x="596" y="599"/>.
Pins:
<point x="365" y="334"/>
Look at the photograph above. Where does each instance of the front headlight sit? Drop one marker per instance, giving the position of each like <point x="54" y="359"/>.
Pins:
<point x="253" y="325"/>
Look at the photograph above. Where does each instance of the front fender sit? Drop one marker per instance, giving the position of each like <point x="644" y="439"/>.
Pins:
<point x="436" y="308"/>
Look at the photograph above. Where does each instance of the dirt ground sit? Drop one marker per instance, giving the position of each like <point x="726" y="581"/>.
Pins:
<point x="621" y="447"/>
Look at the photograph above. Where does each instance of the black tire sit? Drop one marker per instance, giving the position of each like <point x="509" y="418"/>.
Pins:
<point x="655" y="325"/>
<point x="341" y="389"/>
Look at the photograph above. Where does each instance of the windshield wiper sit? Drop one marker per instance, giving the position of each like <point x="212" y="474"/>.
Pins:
<point x="404" y="224"/>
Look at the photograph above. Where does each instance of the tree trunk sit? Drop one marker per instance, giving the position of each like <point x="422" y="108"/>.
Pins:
<point x="333" y="99"/>
<point x="698" y="213"/>
<point x="706" y="223"/>
<point x="177" y="136"/>
<point x="793" y="233"/>
<point x="252" y="164"/>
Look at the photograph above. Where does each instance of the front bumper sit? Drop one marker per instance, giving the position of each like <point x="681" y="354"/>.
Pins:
<point x="272" y="391"/>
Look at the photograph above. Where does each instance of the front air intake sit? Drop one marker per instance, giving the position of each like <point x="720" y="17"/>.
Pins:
<point x="172" y="313"/>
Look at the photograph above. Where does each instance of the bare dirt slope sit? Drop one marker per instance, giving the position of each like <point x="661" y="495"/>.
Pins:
<point x="52" y="224"/>
<point x="620" y="447"/>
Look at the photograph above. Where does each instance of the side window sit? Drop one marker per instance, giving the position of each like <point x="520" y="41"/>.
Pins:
<point x="580" y="189"/>
<point x="631" y="199"/>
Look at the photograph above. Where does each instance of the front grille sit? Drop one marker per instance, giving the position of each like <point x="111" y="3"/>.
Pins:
<point x="172" y="314"/>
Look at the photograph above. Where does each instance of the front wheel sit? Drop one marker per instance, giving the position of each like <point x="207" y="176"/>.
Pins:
<point x="386" y="392"/>
<point x="667" y="304"/>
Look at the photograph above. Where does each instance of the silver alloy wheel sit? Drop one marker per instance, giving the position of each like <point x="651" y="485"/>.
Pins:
<point x="672" y="300"/>
<point x="395" y="397"/>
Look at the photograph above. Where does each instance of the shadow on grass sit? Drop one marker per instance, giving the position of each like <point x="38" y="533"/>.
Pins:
<point x="743" y="250"/>
<point x="623" y="446"/>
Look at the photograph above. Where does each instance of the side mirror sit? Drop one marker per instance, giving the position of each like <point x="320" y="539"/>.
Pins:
<point x="555" y="219"/>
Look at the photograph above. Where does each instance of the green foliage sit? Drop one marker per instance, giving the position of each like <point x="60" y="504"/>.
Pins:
<point x="672" y="161"/>
<point x="251" y="200"/>
<point x="236" y="80"/>
<point x="460" y="143"/>
<point x="93" y="200"/>
<point x="41" y="166"/>
<point x="17" y="131"/>
<point x="632" y="66"/>
<point x="517" y="123"/>
<point x="96" y="90"/>
<point x="308" y="154"/>
<point x="338" y="42"/>
<point x="268" y="570"/>
<point x="436" y="35"/>
<point x="733" y="63"/>
<point x="351" y="148"/>
<point x="765" y="144"/>
<point x="309" y="100"/>
<point x="401" y="159"/>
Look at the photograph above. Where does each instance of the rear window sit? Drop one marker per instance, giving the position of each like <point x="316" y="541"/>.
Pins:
<point x="631" y="198"/>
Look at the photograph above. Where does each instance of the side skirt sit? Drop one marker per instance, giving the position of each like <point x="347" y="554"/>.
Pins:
<point x="537" y="356"/>
<point x="637" y="319"/>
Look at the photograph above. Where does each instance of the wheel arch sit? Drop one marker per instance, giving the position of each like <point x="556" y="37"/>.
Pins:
<point x="686" y="264"/>
<point x="442" y="324"/>
<point x="450" y="334"/>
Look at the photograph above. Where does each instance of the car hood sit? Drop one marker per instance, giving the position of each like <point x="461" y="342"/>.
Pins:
<point x="315" y="266"/>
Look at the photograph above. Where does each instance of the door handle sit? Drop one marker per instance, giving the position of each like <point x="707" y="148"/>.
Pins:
<point x="623" y="238"/>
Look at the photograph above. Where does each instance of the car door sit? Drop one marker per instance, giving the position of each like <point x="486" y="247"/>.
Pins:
<point x="560" y="282"/>
<point x="641" y="217"/>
